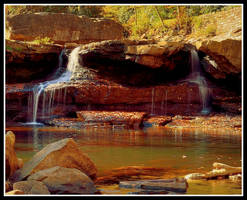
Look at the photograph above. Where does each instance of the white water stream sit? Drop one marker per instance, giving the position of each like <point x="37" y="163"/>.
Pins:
<point x="196" y="77"/>
<point x="48" y="96"/>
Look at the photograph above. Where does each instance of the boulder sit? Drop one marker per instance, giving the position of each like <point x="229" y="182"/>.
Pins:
<point x="227" y="54"/>
<point x="14" y="192"/>
<point x="62" y="28"/>
<point x="60" y="180"/>
<point x="31" y="187"/>
<point x="63" y="153"/>
<point x="8" y="186"/>
<point x="130" y="119"/>
<point x="12" y="163"/>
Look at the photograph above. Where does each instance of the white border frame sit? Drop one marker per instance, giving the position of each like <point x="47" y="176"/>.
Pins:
<point x="99" y="4"/>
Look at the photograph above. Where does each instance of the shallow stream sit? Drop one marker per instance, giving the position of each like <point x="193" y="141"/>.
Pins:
<point x="178" y="152"/>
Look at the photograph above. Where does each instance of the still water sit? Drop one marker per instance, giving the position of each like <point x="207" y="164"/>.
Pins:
<point x="176" y="151"/>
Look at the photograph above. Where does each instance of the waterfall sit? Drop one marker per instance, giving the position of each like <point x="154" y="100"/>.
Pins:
<point x="48" y="95"/>
<point x="152" y="107"/>
<point x="196" y="77"/>
<point x="166" y="103"/>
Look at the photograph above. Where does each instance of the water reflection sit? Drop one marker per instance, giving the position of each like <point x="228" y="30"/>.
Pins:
<point x="176" y="149"/>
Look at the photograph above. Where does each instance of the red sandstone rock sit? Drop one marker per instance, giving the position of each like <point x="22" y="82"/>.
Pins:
<point x="12" y="163"/>
<point x="63" y="153"/>
<point x="159" y="120"/>
<point x="131" y="119"/>
<point x="62" y="28"/>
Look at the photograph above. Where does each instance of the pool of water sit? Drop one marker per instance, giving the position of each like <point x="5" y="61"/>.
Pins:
<point x="150" y="147"/>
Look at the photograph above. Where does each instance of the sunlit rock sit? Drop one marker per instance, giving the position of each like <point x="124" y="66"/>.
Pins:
<point x="31" y="187"/>
<point x="60" y="180"/>
<point x="63" y="153"/>
<point x="62" y="28"/>
<point x="12" y="163"/>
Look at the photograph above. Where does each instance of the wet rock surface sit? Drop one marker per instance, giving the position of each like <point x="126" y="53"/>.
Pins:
<point x="130" y="119"/>
<point x="178" y="185"/>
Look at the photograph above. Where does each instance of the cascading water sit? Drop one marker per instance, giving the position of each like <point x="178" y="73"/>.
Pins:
<point x="153" y="106"/>
<point x="48" y="96"/>
<point x="196" y="77"/>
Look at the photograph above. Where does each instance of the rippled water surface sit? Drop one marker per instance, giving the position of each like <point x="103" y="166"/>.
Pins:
<point x="152" y="147"/>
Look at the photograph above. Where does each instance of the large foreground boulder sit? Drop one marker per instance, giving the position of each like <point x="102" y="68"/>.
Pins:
<point x="61" y="28"/>
<point x="12" y="163"/>
<point x="63" y="153"/>
<point x="60" y="180"/>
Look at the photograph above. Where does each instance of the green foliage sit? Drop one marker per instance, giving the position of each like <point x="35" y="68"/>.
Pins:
<point x="197" y="23"/>
<point x="8" y="48"/>
<point x="45" y="40"/>
<point x="90" y="11"/>
<point x="211" y="30"/>
<point x="209" y="9"/>
<point x="138" y="20"/>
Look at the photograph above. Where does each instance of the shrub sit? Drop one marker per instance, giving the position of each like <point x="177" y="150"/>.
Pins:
<point x="45" y="40"/>
<point x="197" y="23"/>
<point x="211" y="30"/>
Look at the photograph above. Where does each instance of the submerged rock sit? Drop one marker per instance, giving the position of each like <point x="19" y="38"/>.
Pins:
<point x="178" y="185"/>
<point x="31" y="187"/>
<point x="60" y="180"/>
<point x="63" y="153"/>
<point x="130" y="173"/>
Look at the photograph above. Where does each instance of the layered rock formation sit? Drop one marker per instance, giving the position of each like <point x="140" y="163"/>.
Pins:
<point x="61" y="28"/>
<point x="123" y="75"/>
<point x="116" y="75"/>
<point x="27" y="62"/>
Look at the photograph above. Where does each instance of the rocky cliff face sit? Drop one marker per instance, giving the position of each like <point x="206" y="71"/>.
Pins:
<point x="148" y="76"/>
<point x="29" y="62"/>
<point x="62" y="28"/>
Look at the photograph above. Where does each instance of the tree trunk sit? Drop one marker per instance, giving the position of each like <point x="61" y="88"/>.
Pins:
<point x="159" y="16"/>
